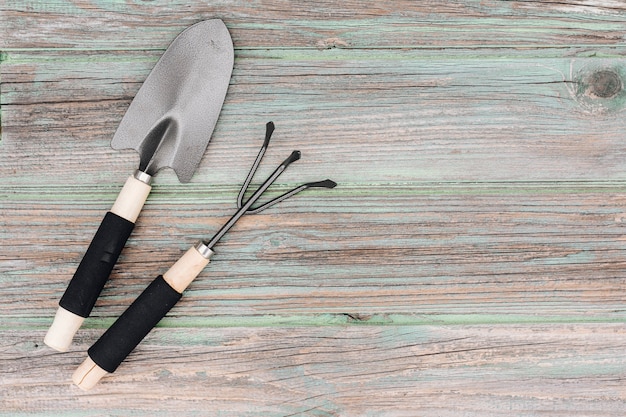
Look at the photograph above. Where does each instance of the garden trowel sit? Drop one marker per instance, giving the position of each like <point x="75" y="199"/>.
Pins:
<point x="169" y="122"/>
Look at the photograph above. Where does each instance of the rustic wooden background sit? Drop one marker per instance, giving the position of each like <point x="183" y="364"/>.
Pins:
<point x="470" y="263"/>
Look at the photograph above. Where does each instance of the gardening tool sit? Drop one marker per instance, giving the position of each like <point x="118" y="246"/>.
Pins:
<point x="160" y="296"/>
<point x="169" y="122"/>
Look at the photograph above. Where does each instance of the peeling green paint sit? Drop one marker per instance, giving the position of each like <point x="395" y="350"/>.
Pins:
<point x="322" y="320"/>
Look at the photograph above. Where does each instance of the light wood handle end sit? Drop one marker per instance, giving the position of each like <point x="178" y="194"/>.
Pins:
<point x="63" y="329"/>
<point x="88" y="374"/>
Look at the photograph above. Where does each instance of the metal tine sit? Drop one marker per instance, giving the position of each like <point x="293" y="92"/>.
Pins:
<point x="269" y="129"/>
<point x="292" y="192"/>
<point x="295" y="155"/>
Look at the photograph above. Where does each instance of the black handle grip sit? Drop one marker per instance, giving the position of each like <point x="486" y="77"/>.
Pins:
<point x="133" y="325"/>
<point x="96" y="266"/>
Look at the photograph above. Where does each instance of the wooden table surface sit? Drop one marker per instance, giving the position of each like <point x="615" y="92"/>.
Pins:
<point x="470" y="263"/>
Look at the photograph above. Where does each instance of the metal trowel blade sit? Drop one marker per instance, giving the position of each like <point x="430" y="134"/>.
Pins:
<point x="171" y="119"/>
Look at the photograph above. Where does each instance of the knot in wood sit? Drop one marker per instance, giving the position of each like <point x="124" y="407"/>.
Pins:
<point x="604" y="84"/>
<point x="598" y="86"/>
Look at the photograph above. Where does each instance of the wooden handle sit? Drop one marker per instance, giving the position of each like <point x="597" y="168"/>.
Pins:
<point x="131" y="199"/>
<point x="88" y="374"/>
<point x="63" y="329"/>
<point x="139" y="319"/>
<point x="186" y="269"/>
<point x="94" y="269"/>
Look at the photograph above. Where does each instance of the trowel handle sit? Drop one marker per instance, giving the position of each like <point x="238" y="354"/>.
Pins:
<point x="97" y="263"/>
<point x="142" y="315"/>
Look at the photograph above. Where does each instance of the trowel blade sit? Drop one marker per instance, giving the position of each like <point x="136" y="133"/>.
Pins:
<point x="171" y="119"/>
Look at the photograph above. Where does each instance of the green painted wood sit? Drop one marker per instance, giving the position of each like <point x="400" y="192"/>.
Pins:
<point x="470" y="262"/>
<point x="426" y="120"/>
<point x="443" y="371"/>
<point x="418" y="255"/>
<point x="122" y="25"/>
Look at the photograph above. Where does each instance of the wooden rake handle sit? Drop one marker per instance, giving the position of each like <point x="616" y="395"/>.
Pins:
<point x="143" y="314"/>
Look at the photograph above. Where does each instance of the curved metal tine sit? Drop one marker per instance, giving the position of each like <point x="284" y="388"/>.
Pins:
<point x="269" y="129"/>
<point x="295" y="155"/>
<point x="294" y="191"/>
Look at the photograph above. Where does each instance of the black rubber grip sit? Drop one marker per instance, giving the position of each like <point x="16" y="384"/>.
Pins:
<point x="133" y="325"/>
<point x="94" y="270"/>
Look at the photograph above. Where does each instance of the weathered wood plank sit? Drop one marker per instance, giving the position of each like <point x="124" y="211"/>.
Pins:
<point x="526" y="370"/>
<point x="425" y="120"/>
<point x="386" y="254"/>
<point x="271" y="23"/>
<point x="470" y="263"/>
<point x="512" y="142"/>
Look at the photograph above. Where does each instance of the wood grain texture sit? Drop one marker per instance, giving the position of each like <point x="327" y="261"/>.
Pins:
<point x="131" y="25"/>
<point x="471" y="261"/>
<point x="522" y="370"/>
